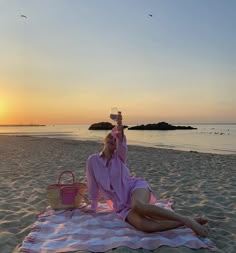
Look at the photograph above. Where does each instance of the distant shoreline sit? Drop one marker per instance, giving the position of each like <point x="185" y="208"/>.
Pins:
<point x="210" y="124"/>
<point x="27" y="125"/>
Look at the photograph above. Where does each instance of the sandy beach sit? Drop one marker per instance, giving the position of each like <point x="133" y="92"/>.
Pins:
<point x="199" y="183"/>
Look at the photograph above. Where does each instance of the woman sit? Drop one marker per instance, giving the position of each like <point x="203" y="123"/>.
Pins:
<point x="130" y="197"/>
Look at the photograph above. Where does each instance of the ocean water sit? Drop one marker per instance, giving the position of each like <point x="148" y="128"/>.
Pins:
<point x="217" y="138"/>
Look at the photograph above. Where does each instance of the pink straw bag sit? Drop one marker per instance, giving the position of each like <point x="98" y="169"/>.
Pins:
<point x="67" y="196"/>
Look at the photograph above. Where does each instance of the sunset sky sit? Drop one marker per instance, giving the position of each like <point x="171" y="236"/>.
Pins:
<point x="70" y="61"/>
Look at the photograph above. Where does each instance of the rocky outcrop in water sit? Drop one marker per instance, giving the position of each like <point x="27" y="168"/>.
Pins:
<point x="101" y="126"/>
<point x="160" y="126"/>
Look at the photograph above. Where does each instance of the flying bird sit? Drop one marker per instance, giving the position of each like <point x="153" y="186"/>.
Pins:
<point x="150" y="15"/>
<point x="23" y="16"/>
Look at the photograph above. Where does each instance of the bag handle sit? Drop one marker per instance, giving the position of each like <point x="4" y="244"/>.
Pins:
<point x="64" y="172"/>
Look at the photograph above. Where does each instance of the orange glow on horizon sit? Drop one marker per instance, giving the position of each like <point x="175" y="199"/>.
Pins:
<point x="25" y="109"/>
<point x="3" y="109"/>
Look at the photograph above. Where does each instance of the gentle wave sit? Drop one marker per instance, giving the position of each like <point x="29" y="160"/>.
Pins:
<point x="225" y="150"/>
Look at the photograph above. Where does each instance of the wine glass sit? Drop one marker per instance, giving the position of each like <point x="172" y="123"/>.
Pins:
<point x="114" y="112"/>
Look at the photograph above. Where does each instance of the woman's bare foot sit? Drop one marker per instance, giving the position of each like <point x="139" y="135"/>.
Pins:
<point x="196" y="227"/>
<point x="201" y="220"/>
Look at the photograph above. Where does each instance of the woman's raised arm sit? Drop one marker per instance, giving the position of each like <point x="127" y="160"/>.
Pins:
<point x="122" y="149"/>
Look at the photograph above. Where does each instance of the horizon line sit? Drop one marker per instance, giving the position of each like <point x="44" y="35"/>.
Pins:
<point x="37" y="125"/>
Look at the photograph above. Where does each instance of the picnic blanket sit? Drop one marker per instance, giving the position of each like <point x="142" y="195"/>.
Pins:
<point x="73" y="230"/>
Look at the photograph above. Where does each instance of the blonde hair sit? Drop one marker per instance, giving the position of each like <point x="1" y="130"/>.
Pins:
<point x="107" y="136"/>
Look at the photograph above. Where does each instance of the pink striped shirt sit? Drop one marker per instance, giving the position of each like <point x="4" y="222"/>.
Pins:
<point x="111" y="180"/>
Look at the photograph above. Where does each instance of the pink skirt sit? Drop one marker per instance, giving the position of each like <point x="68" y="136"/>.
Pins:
<point x="138" y="183"/>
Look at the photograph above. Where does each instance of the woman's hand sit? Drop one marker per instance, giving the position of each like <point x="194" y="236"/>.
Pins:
<point x="119" y="126"/>
<point x="119" y="119"/>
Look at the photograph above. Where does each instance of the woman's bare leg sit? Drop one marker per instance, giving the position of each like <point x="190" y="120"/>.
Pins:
<point x="159" y="219"/>
<point x="149" y="225"/>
